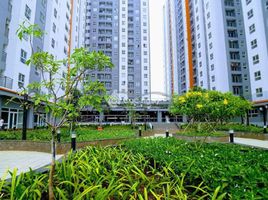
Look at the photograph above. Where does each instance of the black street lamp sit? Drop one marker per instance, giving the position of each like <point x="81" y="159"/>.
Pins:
<point x="25" y="116"/>
<point x="264" y="112"/>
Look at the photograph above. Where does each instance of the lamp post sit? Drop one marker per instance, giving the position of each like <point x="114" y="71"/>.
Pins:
<point x="25" y="116"/>
<point x="264" y="112"/>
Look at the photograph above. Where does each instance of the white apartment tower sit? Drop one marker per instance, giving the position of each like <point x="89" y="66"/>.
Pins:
<point x="211" y="46"/>
<point x="120" y="29"/>
<point x="256" y="28"/>
<point x="54" y="18"/>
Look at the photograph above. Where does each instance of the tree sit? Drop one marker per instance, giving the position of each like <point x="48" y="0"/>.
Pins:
<point x="57" y="90"/>
<point x="132" y="114"/>
<point x="209" y="106"/>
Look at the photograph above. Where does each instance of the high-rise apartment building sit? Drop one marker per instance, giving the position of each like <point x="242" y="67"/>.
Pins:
<point x="55" y="18"/>
<point x="211" y="49"/>
<point x="256" y="28"/>
<point x="120" y="28"/>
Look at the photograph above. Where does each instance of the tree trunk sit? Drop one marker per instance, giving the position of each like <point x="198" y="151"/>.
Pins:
<point x="52" y="167"/>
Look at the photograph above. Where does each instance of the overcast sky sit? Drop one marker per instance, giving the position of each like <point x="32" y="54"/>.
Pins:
<point x="156" y="28"/>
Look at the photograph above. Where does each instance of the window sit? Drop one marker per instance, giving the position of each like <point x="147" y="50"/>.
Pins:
<point x="252" y="28"/>
<point x="213" y="78"/>
<point x="53" y="43"/>
<point x="55" y="13"/>
<point x="259" y="92"/>
<point x="211" y="56"/>
<point x="248" y="1"/>
<point x="27" y="12"/>
<point x="250" y="13"/>
<point x="234" y="55"/>
<point x="233" y="44"/>
<point x="54" y="28"/>
<point x="23" y="56"/>
<point x="44" y="2"/>
<point x="65" y="50"/>
<point x="42" y="17"/>
<point x="255" y="59"/>
<point x="21" y="80"/>
<point x="238" y="90"/>
<point x="237" y="78"/>
<point x="210" y="45"/>
<point x="253" y="44"/>
<point x="235" y="66"/>
<point x="257" y="75"/>
<point x="145" y="83"/>
<point x="212" y="67"/>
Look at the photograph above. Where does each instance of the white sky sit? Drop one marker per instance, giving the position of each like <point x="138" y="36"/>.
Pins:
<point x="157" y="48"/>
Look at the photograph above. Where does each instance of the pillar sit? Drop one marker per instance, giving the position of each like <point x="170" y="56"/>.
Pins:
<point x="30" y="118"/>
<point x="159" y="116"/>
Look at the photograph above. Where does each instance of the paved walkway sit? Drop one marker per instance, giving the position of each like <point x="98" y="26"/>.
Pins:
<point x="23" y="161"/>
<point x="252" y="142"/>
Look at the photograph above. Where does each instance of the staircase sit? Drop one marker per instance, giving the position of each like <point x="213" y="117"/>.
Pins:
<point x="165" y="126"/>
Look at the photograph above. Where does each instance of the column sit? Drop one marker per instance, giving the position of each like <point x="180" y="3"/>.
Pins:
<point x="159" y="116"/>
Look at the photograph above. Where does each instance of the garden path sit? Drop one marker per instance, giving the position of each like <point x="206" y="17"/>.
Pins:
<point x="252" y="142"/>
<point x="23" y="161"/>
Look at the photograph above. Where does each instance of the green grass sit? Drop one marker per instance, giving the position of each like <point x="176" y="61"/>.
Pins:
<point x="83" y="134"/>
<point x="240" y="128"/>
<point x="192" y="133"/>
<point x="241" y="172"/>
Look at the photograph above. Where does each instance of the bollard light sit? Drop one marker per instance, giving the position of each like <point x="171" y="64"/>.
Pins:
<point x="231" y="136"/>
<point x="167" y="133"/>
<point x="73" y="144"/>
<point x="139" y="131"/>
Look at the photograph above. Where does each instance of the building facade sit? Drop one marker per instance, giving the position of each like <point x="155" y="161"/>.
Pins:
<point x="211" y="46"/>
<point x="120" y="29"/>
<point x="256" y="28"/>
<point x="56" y="18"/>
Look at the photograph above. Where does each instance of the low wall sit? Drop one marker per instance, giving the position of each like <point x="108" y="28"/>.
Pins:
<point x="62" y="148"/>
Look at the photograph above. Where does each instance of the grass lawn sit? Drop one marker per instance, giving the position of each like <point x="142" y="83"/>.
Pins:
<point x="83" y="134"/>
<point x="192" y="133"/>
<point x="151" y="169"/>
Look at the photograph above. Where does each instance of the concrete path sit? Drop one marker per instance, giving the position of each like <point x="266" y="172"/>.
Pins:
<point x="23" y="161"/>
<point x="252" y="142"/>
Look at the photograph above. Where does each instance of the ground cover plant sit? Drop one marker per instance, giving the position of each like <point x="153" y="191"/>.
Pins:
<point x="240" y="128"/>
<point x="241" y="172"/>
<point x="151" y="169"/>
<point x="106" y="173"/>
<point x="86" y="133"/>
<point x="204" y="133"/>
<point x="201" y="128"/>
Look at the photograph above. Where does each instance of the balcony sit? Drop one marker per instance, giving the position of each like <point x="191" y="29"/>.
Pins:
<point x="6" y="82"/>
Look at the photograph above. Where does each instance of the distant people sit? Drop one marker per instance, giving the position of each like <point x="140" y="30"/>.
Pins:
<point x="1" y="124"/>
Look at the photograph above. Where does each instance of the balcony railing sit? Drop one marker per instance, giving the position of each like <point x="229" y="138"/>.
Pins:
<point x="6" y="82"/>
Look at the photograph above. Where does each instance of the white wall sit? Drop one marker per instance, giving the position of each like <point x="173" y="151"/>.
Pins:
<point x="261" y="49"/>
<point x="13" y="64"/>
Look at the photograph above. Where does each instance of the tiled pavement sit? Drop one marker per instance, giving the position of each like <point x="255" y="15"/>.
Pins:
<point x="23" y="161"/>
<point x="252" y="142"/>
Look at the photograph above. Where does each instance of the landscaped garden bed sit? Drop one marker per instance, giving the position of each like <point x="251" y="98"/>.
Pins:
<point x="86" y="133"/>
<point x="152" y="169"/>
